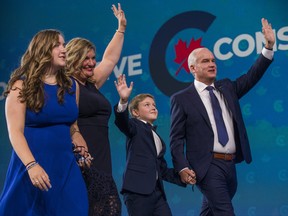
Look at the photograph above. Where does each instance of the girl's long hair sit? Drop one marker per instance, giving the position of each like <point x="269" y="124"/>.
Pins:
<point x="35" y="62"/>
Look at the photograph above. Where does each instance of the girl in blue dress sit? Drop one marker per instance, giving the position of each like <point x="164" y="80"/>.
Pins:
<point x="43" y="177"/>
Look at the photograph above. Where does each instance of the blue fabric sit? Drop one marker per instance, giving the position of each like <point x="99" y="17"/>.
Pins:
<point x="48" y="137"/>
<point x="221" y="129"/>
<point x="216" y="195"/>
<point x="153" y="204"/>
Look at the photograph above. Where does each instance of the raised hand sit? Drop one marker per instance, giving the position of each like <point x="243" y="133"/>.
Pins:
<point x="120" y="15"/>
<point x="123" y="90"/>
<point x="268" y="33"/>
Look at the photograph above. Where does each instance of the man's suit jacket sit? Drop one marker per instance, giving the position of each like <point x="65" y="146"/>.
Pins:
<point x="190" y="123"/>
<point x="142" y="162"/>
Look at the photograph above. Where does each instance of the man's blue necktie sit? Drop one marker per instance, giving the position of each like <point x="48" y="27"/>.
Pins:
<point x="221" y="129"/>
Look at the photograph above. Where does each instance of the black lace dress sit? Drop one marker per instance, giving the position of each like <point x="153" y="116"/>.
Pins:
<point x="94" y="114"/>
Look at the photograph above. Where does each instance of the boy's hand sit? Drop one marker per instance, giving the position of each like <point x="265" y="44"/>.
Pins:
<point x="123" y="90"/>
<point x="188" y="176"/>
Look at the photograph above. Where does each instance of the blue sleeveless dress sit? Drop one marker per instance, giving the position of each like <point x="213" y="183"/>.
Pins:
<point x="48" y="137"/>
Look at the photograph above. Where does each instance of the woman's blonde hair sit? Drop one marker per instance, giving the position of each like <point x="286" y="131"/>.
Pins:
<point x="76" y="52"/>
<point x="35" y="62"/>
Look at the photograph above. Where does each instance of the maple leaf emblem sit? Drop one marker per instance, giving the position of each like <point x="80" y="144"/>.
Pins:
<point x="182" y="52"/>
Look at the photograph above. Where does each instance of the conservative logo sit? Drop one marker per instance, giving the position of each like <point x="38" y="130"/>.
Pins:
<point x="160" y="74"/>
<point x="170" y="79"/>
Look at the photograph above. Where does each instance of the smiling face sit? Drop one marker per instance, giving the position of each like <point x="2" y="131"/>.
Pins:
<point x="58" y="53"/>
<point x="80" y="58"/>
<point x="204" y="67"/>
<point x="88" y="65"/>
<point x="145" y="110"/>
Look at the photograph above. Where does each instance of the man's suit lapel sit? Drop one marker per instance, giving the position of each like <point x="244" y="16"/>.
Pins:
<point x="227" y="96"/>
<point x="197" y="102"/>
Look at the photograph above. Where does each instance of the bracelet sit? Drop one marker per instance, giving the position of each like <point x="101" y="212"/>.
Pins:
<point x="120" y="31"/>
<point x="31" y="165"/>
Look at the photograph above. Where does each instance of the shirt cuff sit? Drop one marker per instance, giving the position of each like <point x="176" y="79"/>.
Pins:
<point x="268" y="53"/>
<point x="183" y="169"/>
<point x="122" y="107"/>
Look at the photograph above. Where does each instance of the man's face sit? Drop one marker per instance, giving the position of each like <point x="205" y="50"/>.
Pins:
<point x="205" y="69"/>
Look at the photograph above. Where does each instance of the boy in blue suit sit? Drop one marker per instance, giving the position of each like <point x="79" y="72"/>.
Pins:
<point x="146" y="167"/>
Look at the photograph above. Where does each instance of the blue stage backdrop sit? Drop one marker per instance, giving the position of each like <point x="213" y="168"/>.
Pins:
<point x="159" y="35"/>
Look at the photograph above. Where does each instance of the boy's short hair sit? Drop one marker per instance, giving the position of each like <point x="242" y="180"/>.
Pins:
<point x="134" y="103"/>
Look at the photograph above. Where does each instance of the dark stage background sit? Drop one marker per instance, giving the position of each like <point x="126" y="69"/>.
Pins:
<point x="156" y="29"/>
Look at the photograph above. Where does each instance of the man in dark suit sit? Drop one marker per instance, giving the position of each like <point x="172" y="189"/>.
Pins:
<point x="146" y="167"/>
<point x="212" y="149"/>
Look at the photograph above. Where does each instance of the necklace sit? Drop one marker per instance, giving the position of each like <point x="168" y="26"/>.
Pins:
<point x="50" y="83"/>
<point x="50" y="80"/>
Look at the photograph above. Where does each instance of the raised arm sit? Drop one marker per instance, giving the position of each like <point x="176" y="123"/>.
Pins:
<point x="113" y="50"/>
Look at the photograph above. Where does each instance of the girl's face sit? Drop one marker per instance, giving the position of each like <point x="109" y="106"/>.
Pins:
<point x="147" y="110"/>
<point x="58" y="53"/>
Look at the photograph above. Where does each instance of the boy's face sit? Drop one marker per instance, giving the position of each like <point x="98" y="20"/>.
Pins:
<point x="146" y="110"/>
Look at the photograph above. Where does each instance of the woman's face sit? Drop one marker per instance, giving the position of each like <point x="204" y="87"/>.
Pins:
<point x="58" y="53"/>
<point x="88" y="65"/>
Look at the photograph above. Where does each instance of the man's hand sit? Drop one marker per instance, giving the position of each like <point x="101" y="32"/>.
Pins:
<point x="268" y="34"/>
<point x="188" y="176"/>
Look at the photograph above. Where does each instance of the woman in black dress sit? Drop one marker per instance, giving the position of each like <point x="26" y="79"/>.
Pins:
<point x="94" y="114"/>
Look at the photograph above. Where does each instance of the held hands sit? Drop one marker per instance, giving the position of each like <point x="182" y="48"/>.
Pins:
<point x="83" y="157"/>
<point x="122" y="88"/>
<point x="188" y="176"/>
<point x="268" y="34"/>
<point x="80" y="148"/>
<point x="120" y="15"/>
